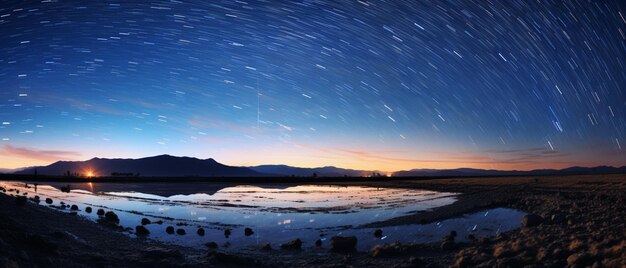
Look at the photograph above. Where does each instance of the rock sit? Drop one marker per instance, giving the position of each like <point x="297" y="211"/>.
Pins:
<point x="342" y="243"/>
<point x="74" y="207"/>
<point x="140" y="230"/>
<point x="88" y="209"/>
<point x="575" y="245"/>
<point x="266" y="247"/>
<point x="180" y="232"/>
<point x="100" y="212"/>
<point x="318" y="243"/>
<point x="200" y="232"/>
<point x="110" y="216"/>
<point x="292" y="245"/>
<point x="48" y="201"/>
<point x="484" y="240"/>
<point x="145" y="221"/>
<point x="159" y="222"/>
<point x="530" y="220"/>
<point x="378" y="233"/>
<point x="580" y="259"/>
<point x="37" y="198"/>
<point x="453" y="233"/>
<point x="158" y="253"/>
<point x="471" y="237"/>
<point x="447" y="245"/>
<point x="169" y="229"/>
<point x="211" y="245"/>
<point x="20" y="200"/>
<point x="227" y="233"/>
<point x="248" y="232"/>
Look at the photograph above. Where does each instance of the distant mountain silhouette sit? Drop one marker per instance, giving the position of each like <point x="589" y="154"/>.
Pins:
<point x="172" y="166"/>
<point x="10" y="170"/>
<point x="466" y="172"/>
<point x="162" y="166"/>
<point x="329" y="171"/>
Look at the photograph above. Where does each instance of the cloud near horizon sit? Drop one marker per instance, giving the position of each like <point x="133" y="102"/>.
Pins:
<point x="35" y="154"/>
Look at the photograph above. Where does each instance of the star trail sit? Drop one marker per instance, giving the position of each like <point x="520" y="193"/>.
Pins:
<point x="384" y="85"/>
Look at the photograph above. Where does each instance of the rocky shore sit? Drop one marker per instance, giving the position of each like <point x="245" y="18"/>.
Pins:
<point x="573" y="221"/>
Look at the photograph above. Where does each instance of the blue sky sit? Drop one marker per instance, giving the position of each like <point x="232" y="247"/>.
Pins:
<point x="383" y="85"/>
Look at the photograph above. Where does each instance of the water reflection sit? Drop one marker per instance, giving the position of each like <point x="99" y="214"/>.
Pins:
<point x="276" y="213"/>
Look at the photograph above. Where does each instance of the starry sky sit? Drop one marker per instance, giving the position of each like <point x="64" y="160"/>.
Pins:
<point x="386" y="85"/>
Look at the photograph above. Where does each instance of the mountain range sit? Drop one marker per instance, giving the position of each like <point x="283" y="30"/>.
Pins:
<point x="173" y="166"/>
<point x="156" y="166"/>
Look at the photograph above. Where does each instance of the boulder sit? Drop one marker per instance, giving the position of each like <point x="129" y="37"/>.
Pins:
<point x="48" y="201"/>
<point x="140" y="230"/>
<point x="248" y="232"/>
<point x="169" y="229"/>
<point x="318" y="243"/>
<point x="20" y="200"/>
<point x="266" y="247"/>
<point x="100" y="212"/>
<point x="74" y="207"/>
<point x="530" y="220"/>
<point x="200" y="231"/>
<point x="342" y="243"/>
<point x="88" y="209"/>
<point x="110" y="216"/>
<point x="180" y="232"/>
<point x="227" y="233"/>
<point x="292" y="245"/>
<point x="378" y="233"/>
<point x="453" y="233"/>
<point x="145" y="221"/>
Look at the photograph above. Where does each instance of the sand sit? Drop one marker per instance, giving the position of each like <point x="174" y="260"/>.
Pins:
<point x="577" y="221"/>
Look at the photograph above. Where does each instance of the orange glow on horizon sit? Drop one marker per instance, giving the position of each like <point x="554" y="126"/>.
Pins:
<point x="89" y="173"/>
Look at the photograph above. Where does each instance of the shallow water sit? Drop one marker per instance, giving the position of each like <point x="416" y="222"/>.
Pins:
<point x="276" y="213"/>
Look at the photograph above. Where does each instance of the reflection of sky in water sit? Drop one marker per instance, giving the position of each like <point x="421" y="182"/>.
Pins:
<point x="283" y="213"/>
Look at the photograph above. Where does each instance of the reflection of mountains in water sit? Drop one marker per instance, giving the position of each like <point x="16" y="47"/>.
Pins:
<point x="160" y="189"/>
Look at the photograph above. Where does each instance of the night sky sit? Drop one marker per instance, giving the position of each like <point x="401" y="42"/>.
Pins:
<point x="388" y="85"/>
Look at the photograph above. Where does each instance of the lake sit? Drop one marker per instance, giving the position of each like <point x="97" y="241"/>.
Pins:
<point x="277" y="213"/>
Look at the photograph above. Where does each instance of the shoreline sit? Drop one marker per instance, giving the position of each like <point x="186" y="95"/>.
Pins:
<point x="581" y="223"/>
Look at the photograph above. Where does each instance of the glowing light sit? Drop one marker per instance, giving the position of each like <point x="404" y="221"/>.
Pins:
<point x="89" y="173"/>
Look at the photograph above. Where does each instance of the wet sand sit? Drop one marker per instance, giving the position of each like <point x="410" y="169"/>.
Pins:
<point x="579" y="223"/>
